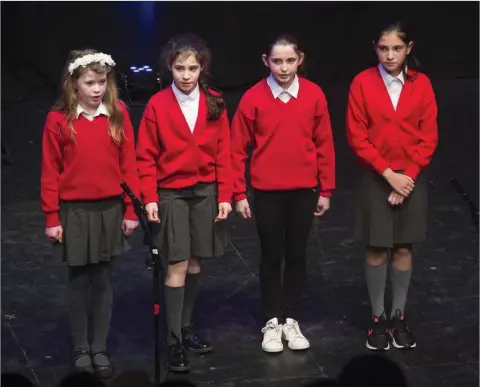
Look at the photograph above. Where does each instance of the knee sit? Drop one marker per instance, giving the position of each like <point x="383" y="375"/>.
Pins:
<point x="176" y="273"/>
<point x="376" y="256"/>
<point x="194" y="265"/>
<point x="402" y="250"/>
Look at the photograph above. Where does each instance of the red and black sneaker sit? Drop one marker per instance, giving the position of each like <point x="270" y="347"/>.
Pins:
<point x="377" y="339"/>
<point x="402" y="337"/>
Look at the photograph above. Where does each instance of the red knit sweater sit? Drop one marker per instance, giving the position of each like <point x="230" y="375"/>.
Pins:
<point x="90" y="169"/>
<point x="292" y="142"/>
<point x="382" y="137"/>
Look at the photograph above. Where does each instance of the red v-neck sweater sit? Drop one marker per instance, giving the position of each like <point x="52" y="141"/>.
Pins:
<point x="292" y="142"/>
<point x="382" y="137"/>
<point x="90" y="169"/>
<point x="169" y="155"/>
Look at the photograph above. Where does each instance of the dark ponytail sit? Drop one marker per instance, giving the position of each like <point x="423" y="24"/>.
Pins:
<point x="190" y="43"/>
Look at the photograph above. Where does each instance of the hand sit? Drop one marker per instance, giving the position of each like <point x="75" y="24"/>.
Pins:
<point x="128" y="226"/>
<point x="224" y="209"/>
<point x="152" y="212"/>
<point x="243" y="209"/>
<point x="395" y="198"/>
<point x="400" y="183"/>
<point x="323" y="205"/>
<point x="55" y="234"/>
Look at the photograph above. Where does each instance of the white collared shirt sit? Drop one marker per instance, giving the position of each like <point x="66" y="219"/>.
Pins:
<point x="394" y="85"/>
<point x="102" y="109"/>
<point x="283" y="94"/>
<point x="189" y="105"/>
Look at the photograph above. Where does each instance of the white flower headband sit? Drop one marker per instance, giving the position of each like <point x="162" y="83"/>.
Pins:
<point x="91" y="58"/>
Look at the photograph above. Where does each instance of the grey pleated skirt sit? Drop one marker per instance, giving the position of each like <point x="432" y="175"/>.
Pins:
<point x="379" y="224"/>
<point x="188" y="226"/>
<point x="92" y="231"/>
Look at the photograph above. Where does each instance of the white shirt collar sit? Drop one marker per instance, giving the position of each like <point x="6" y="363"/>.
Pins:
<point x="388" y="79"/>
<point x="102" y="109"/>
<point x="277" y="89"/>
<point x="181" y="97"/>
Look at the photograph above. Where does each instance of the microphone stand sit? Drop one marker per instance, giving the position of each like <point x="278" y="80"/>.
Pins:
<point x="152" y="262"/>
<point x="471" y="205"/>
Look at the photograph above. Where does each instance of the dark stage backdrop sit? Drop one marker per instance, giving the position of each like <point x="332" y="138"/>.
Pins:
<point x="337" y="36"/>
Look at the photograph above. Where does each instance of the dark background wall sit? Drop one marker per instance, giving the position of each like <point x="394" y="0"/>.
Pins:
<point x="36" y="36"/>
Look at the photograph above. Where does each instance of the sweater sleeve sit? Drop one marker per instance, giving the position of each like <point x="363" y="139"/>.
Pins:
<point x="242" y="135"/>
<point x="148" y="152"/>
<point x="323" y="139"/>
<point x="128" y="165"/>
<point x="223" y="163"/>
<point x="357" y="134"/>
<point x="422" y="154"/>
<point x="50" y="170"/>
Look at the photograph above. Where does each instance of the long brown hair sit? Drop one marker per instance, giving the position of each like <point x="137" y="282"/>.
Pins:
<point x="68" y="101"/>
<point x="192" y="44"/>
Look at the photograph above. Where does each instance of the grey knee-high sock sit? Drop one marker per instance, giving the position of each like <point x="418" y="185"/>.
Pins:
<point x="102" y="299"/>
<point x="400" y="283"/>
<point x="376" y="277"/>
<point x="191" y="289"/>
<point x="78" y="294"/>
<point x="173" y="309"/>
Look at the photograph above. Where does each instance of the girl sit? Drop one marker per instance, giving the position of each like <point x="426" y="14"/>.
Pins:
<point x="88" y="150"/>
<point x="286" y="120"/>
<point x="183" y="158"/>
<point x="392" y="129"/>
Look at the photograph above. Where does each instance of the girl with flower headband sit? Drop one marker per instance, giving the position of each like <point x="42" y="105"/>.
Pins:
<point x="183" y="158"/>
<point x="88" y="150"/>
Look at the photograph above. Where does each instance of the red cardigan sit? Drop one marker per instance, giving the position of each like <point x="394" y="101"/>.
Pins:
<point x="292" y="142"/>
<point x="90" y="169"/>
<point x="382" y="137"/>
<point x="169" y="155"/>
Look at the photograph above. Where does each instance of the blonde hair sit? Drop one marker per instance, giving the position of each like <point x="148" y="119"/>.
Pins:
<point x="68" y="101"/>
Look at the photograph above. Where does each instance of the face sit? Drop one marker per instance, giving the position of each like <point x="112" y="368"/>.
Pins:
<point x="392" y="52"/>
<point x="283" y="63"/>
<point x="91" y="88"/>
<point x="186" y="71"/>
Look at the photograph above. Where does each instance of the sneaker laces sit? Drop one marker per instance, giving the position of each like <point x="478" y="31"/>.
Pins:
<point x="294" y="329"/>
<point x="273" y="331"/>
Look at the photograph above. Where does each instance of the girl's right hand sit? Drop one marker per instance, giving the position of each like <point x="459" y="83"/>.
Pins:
<point x="402" y="184"/>
<point x="54" y="234"/>
<point x="243" y="209"/>
<point x="152" y="212"/>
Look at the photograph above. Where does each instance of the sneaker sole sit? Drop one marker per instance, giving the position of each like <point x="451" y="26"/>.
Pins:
<point x="201" y="351"/>
<point x="272" y="350"/>
<point x="179" y="369"/>
<point x="299" y="348"/>
<point x="414" y="345"/>
<point x="376" y="349"/>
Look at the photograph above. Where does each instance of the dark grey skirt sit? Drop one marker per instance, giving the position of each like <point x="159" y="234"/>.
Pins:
<point x="188" y="226"/>
<point x="379" y="224"/>
<point x="92" y="231"/>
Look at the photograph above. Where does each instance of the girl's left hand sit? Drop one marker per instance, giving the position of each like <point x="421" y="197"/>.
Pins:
<point x="128" y="226"/>
<point x="322" y="206"/>
<point x="224" y="209"/>
<point x="395" y="198"/>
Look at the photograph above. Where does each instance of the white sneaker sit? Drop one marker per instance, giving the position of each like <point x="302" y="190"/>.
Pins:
<point x="292" y="334"/>
<point x="272" y="336"/>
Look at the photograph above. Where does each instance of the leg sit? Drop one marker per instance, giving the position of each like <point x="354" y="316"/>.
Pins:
<point x="376" y="276"/>
<point x="191" y="340"/>
<point x="78" y="294"/>
<point x="102" y="299"/>
<point x="299" y="216"/>
<point x="270" y="218"/>
<point x="401" y="272"/>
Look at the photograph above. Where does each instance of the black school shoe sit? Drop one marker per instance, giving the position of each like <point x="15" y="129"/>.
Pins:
<point x="402" y="337"/>
<point x="377" y="336"/>
<point x="177" y="358"/>
<point x="194" y="343"/>
<point x="104" y="370"/>
<point x="82" y="361"/>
